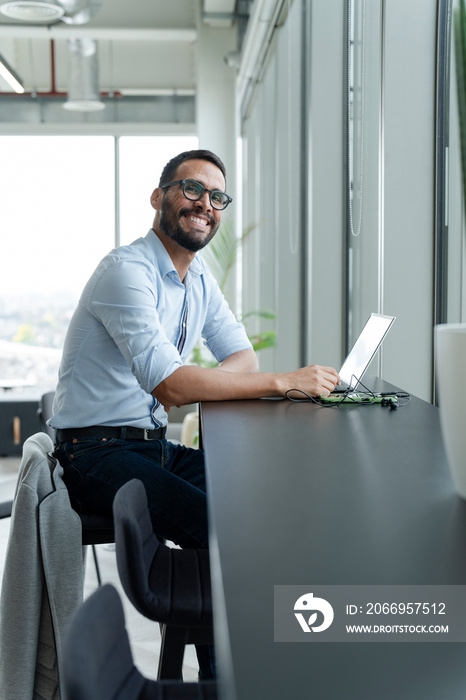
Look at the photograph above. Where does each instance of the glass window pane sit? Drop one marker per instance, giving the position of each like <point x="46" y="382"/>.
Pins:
<point x="142" y="159"/>
<point x="57" y="221"/>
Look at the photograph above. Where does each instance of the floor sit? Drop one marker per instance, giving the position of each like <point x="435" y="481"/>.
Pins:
<point x="144" y="634"/>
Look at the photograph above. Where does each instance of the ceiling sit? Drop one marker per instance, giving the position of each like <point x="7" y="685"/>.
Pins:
<point x="145" y="47"/>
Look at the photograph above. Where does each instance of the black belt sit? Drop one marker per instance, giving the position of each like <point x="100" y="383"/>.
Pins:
<point x="106" y="431"/>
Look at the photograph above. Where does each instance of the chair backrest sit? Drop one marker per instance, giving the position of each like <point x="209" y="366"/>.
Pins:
<point x="97" y="660"/>
<point x="98" y="663"/>
<point x="45" y="412"/>
<point x="136" y="544"/>
<point x="165" y="584"/>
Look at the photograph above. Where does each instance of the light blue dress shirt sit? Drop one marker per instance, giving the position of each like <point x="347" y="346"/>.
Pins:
<point x="135" y="324"/>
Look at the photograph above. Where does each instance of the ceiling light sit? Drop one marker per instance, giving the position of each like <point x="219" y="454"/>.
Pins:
<point x="32" y="10"/>
<point x="11" y="77"/>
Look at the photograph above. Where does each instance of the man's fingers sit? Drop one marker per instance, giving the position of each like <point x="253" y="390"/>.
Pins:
<point x="314" y="380"/>
<point x="329" y="380"/>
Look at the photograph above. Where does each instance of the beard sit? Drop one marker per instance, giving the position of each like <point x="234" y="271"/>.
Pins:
<point x="170" y="225"/>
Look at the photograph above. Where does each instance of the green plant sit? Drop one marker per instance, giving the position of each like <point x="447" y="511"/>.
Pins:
<point x="263" y="340"/>
<point x="220" y="256"/>
<point x="221" y="253"/>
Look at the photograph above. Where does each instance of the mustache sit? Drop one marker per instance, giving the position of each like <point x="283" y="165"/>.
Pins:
<point x="189" y="210"/>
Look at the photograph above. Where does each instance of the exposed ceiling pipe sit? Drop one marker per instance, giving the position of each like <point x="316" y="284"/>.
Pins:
<point x="53" y="92"/>
<point x="83" y="92"/>
<point x="60" y="31"/>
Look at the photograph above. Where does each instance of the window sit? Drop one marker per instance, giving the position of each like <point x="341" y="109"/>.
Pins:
<point x="142" y="159"/>
<point x="58" y="219"/>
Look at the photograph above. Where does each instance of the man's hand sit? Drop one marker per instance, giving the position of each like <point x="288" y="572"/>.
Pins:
<point x="315" y="380"/>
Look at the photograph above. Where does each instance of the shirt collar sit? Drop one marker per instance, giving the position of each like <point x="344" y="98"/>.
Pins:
<point x="165" y="262"/>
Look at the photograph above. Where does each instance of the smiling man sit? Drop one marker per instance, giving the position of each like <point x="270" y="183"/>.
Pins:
<point x="138" y="319"/>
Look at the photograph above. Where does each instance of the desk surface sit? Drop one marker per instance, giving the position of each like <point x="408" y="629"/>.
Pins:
<point x="304" y="495"/>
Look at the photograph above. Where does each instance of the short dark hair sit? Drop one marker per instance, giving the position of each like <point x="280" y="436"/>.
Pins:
<point x="168" y="173"/>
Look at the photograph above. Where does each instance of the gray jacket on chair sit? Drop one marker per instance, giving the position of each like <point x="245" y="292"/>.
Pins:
<point x="42" y="579"/>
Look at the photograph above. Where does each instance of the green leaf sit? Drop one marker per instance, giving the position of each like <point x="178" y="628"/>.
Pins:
<point x="259" y="314"/>
<point x="267" y="339"/>
<point x="220" y="256"/>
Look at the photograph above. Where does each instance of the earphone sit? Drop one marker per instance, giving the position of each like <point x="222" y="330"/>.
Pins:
<point x="392" y="403"/>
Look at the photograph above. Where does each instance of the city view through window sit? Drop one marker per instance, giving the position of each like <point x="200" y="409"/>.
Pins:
<point x="57" y="220"/>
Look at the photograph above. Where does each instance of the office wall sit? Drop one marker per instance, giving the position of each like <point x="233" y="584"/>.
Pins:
<point x="215" y="98"/>
<point x="216" y="114"/>
<point x="409" y="179"/>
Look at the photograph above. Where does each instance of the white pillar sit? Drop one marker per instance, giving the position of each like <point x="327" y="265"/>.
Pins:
<point x="216" y="108"/>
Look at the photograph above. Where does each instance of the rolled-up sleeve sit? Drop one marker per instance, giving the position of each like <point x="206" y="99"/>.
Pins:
<point x="125" y="302"/>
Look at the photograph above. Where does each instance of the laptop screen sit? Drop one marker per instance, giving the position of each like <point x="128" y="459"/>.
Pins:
<point x="365" y="348"/>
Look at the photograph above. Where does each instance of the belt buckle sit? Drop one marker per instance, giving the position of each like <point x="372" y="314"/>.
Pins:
<point x="146" y="432"/>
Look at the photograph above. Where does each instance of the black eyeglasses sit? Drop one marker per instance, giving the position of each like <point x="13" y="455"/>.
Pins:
<point x="194" y="190"/>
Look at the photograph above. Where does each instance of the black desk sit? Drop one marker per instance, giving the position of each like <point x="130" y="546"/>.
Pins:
<point x="304" y="495"/>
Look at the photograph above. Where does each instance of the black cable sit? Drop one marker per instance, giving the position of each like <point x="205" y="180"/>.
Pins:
<point x="347" y="398"/>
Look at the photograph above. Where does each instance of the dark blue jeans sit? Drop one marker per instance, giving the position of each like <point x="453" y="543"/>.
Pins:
<point x="174" y="477"/>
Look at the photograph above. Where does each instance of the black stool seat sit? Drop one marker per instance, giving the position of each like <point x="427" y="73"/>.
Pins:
<point x="97" y="529"/>
<point x="170" y="586"/>
<point x="97" y="659"/>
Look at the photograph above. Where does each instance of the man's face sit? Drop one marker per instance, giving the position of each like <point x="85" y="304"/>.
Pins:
<point x="191" y="224"/>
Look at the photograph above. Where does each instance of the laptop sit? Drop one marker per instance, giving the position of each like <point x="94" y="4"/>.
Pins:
<point x="363" y="351"/>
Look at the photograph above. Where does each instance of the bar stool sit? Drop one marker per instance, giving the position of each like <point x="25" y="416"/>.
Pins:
<point x="97" y="659"/>
<point x="170" y="586"/>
